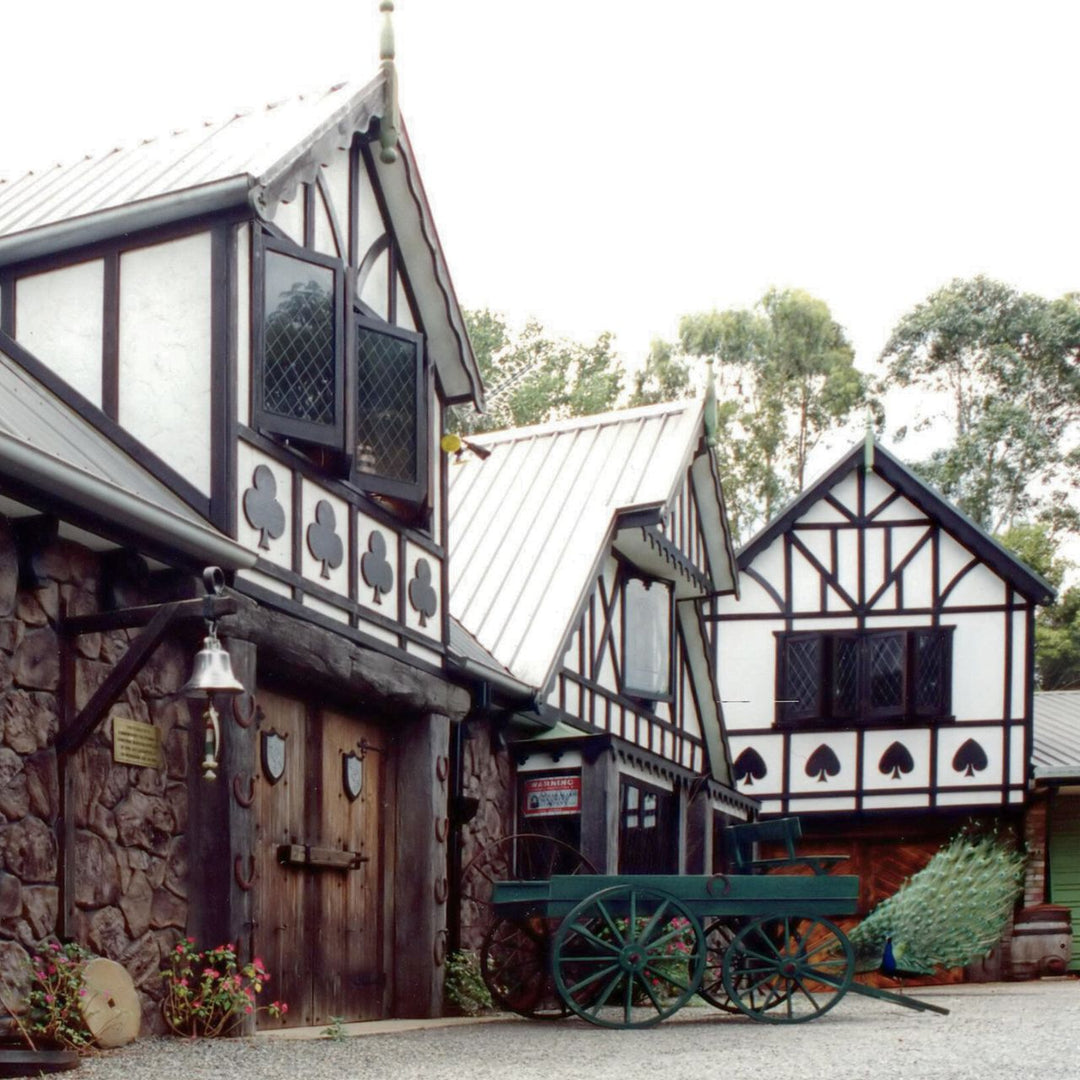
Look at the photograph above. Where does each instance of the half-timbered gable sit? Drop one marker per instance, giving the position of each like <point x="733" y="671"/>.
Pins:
<point x="232" y="347"/>
<point x="880" y="658"/>
<point x="259" y="311"/>
<point x="583" y="550"/>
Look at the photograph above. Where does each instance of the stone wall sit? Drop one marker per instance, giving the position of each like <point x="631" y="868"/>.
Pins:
<point x="487" y="776"/>
<point x="129" y="862"/>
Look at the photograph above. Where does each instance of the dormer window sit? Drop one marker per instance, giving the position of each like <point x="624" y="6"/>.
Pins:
<point x="366" y="419"/>
<point x="646" y="623"/>
<point x="299" y="386"/>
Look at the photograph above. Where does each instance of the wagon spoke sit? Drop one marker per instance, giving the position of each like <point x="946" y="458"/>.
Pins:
<point x="594" y="978"/>
<point x="594" y="939"/>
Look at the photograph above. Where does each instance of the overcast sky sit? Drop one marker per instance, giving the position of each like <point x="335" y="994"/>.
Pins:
<point x="613" y="164"/>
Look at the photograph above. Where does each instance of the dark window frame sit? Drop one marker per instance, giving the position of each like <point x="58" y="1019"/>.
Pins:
<point x="331" y="435"/>
<point x="638" y="694"/>
<point x="414" y="491"/>
<point x="351" y="317"/>
<point x="824" y="706"/>
<point x="651" y="848"/>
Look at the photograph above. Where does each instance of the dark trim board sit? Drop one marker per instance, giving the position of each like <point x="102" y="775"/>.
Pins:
<point x="936" y="613"/>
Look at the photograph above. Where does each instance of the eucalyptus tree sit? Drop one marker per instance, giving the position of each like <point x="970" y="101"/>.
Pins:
<point x="1001" y="365"/>
<point x="531" y="377"/>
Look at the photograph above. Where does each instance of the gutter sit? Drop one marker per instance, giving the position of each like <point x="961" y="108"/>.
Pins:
<point x="510" y="686"/>
<point x="129" y="218"/>
<point x="1057" y="772"/>
<point x="169" y="529"/>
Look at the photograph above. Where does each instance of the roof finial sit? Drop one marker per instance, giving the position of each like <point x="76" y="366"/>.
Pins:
<point x="388" y="129"/>
<point x="710" y="403"/>
<point x="868" y="441"/>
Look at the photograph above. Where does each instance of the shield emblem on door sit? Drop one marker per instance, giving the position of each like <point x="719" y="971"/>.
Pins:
<point x="273" y="755"/>
<point x="352" y="775"/>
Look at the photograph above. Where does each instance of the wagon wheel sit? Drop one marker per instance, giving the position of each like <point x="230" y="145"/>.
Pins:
<point x="718" y="938"/>
<point x="521" y="857"/>
<point x="788" y="970"/>
<point x="628" y="957"/>
<point x="515" y="963"/>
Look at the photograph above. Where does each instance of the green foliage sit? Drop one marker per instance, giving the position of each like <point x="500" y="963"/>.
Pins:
<point x="208" y="993"/>
<point x="532" y="378"/>
<point x="335" y="1030"/>
<point x="785" y="377"/>
<point x="55" y="994"/>
<point x="1004" y="364"/>
<point x="951" y="912"/>
<point x="464" y="987"/>
<point x="1057" y="627"/>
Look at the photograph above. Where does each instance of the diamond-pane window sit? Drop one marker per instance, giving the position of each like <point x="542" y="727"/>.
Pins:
<point x="802" y="688"/>
<point x="845" y="672"/>
<point x="299" y="377"/>
<point x="931" y="673"/>
<point x="886" y="664"/>
<point x="387" y="405"/>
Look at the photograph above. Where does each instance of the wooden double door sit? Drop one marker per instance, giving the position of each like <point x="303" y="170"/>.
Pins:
<point x="322" y="870"/>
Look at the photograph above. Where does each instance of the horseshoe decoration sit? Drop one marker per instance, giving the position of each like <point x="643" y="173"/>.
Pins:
<point x="442" y="890"/>
<point x="243" y="709"/>
<point x="245" y="885"/>
<point x="442" y="767"/>
<point x="440" y="949"/>
<point x="442" y="829"/>
<point x="244" y="800"/>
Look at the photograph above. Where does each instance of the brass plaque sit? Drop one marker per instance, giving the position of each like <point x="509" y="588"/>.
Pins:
<point x="136" y="743"/>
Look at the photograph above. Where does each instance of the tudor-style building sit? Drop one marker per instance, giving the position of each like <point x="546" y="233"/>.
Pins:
<point x="583" y="551"/>
<point x="877" y="671"/>
<point x="234" y="346"/>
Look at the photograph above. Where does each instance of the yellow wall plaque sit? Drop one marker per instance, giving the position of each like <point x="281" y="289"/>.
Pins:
<point x="136" y="743"/>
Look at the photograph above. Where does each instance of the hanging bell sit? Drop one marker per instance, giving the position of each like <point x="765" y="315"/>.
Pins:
<point x="211" y="672"/>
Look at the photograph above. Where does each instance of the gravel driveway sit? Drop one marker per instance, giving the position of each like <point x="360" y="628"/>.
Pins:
<point x="1005" y="1031"/>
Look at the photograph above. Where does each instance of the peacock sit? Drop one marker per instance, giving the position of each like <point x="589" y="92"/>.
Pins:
<point x="949" y="914"/>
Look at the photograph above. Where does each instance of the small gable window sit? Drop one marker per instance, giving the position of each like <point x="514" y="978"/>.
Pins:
<point x="647" y="641"/>
<point x="391" y="414"/>
<point x="299" y="385"/>
<point x="867" y="676"/>
<point x="353" y="395"/>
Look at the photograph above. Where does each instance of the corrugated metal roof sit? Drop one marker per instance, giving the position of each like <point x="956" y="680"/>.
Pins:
<point x="1056" y="742"/>
<point x="528" y="523"/>
<point x="261" y="144"/>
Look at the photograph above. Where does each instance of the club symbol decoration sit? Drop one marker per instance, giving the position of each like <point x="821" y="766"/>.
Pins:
<point x="323" y="540"/>
<point x="897" y="759"/>
<point x="421" y="594"/>
<point x="261" y="507"/>
<point x="970" y="758"/>
<point x="823" y="763"/>
<point x="750" y="766"/>
<point x="377" y="572"/>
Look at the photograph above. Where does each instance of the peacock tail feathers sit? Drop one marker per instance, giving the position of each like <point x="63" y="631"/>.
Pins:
<point x="950" y="913"/>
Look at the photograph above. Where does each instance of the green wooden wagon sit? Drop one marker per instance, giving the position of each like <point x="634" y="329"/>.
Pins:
<point x="629" y="951"/>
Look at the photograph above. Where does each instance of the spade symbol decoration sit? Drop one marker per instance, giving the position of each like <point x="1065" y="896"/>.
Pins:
<point x="421" y="594"/>
<point x="897" y="759"/>
<point x="378" y="573"/>
<point x="323" y="540"/>
<point x="750" y="766"/>
<point x="970" y="758"/>
<point x="261" y="507"/>
<point x="823" y="763"/>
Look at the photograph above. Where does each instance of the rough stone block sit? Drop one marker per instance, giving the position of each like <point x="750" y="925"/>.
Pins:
<point x="97" y="873"/>
<point x="168" y="910"/>
<point x="145" y="821"/>
<point x="40" y="907"/>
<point x="177" y="754"/>
<point x="11" y="633"/>
<point x="43" y="784"/>
<point x="143" y="961"/>
<point x="14" y="972"/>
<point x="136" y="904"/>
<point x="29" y="720"/>
<point x="14" y="797"/>
<point x="89" y="675"/>
<point x="166" y="670"/>
<point x="177" y="797"/>
<point x="29" y="850"/>
<point x="32" y="605"/>
<point x="176" y="868"/>
<point x="106" y="933"/>
<point x="10" y="896"/>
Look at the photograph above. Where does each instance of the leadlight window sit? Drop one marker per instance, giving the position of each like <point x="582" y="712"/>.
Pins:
<point x="865" y="676"/>
<point x="391" y="420"/>
<point x="646" y="627"/>
<point x="299" y="384"/>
